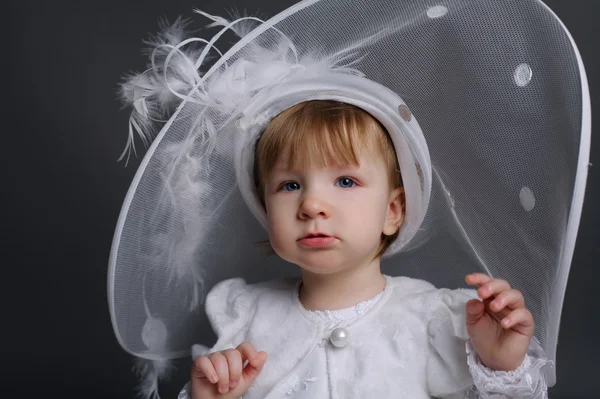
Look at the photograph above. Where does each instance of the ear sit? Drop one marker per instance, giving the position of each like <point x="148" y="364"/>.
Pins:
<point x="395" y="213"/>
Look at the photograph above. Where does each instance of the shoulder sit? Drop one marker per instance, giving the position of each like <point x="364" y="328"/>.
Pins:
<point x="233" y="300"/>
<point x="406" y="286"/>
<point x="406" y="296"/>
<point x="236" y="289"/>
<point x="235" y="309"/>
<point x="423" y="296"/>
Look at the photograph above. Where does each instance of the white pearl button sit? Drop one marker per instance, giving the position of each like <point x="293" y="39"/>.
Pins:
<point x="339" y="337"/>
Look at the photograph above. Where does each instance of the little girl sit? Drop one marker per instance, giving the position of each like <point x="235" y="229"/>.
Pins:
<point x="327" y="175"/>
<point x="305" y="132"/>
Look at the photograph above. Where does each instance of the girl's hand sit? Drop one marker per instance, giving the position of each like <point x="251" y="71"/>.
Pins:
<point x="223" y="375"/>
<point x="500" y="327"/>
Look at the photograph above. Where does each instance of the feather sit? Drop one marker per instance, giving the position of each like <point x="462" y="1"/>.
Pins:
<point x="150" y="373"/>
<point x="242" y="23"/>
<point x="152" y="94"/>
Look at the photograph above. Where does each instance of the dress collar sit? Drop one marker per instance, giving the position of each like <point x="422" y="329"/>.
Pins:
<point x="330" y="319"/>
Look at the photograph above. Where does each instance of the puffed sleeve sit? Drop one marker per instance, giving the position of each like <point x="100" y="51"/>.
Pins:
<point x="454" y="370"/>
<point x="228" y="307"/>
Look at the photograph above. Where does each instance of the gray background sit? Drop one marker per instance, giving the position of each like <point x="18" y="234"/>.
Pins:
<point x="63" y="130"/>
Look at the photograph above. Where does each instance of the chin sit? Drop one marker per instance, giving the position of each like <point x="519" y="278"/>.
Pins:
<point x="316" y="269"/>
<point x="321" y="263"/>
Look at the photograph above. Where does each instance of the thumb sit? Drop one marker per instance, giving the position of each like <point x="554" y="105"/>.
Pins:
<point x="475" y="311"/>
<point x="252" y="370"/>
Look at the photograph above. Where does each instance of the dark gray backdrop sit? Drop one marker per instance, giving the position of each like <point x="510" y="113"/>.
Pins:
<point x="63" y="131"/>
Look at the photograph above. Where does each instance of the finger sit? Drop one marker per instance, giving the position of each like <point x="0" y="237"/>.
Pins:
<point x="520" y="320"/>
<point x="512" y="299"/>
<point x="477" y="279"/>
<point x="234" y="360"/>
<point x="248" y="352"/>
<point x="475" y="311"/>
<point x="222" y="368"/>
<point x="252" y="370"/>
<point x="203" y="368"/>
<point x="492" y="288"/>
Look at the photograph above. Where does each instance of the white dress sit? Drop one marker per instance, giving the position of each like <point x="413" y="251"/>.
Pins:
<point x="311" y="380"/>
<point x="390" y="353"/>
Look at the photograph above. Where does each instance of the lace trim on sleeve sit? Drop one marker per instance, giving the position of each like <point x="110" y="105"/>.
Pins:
<point x="526" y="382"/>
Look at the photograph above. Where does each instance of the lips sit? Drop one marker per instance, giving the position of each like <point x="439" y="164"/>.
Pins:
<point x="313" y="235"/>
<point x="317" y="240"/>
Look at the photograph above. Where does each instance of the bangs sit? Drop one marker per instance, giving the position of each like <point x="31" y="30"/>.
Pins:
<point x="322" y="139"/>
<point x="321" y="134"/>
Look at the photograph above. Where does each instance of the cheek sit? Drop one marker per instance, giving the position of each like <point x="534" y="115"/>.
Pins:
<point x="275" y="208"/>
<point x="280" y="235"/>
<point x="277" y="222"/>
<point x="368" y="218"/>
<point x="371" y="208"/>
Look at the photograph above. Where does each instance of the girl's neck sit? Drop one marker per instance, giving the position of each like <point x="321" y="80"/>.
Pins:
<point x="343" y="289"/>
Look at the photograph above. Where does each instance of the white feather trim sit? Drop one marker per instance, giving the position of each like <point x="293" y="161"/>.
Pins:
<point x="243" y="25"/>
<point x="153" y="92"/>
<point x="150" y="372"/>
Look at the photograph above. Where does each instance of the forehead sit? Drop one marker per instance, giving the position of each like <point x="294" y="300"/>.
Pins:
<point x="360" y="159"/>
<point x="325" y="150"/>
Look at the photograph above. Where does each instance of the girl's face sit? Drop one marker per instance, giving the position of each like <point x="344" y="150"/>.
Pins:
<point x="330" y="219"/>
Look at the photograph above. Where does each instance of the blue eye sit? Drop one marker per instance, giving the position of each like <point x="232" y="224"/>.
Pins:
<point x="345" y="182"/>
<point x="291" y="186"/>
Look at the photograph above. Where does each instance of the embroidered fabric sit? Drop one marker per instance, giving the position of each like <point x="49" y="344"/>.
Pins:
<point x="489" y="384"/>
<point x="316" y="371"/>
<point x="527" y="381"/>
<point x="301" y="383"/>
<point x="331" y="319"/>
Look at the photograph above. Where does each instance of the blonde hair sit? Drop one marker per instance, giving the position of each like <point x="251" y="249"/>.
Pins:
<point x="324" y="133"/>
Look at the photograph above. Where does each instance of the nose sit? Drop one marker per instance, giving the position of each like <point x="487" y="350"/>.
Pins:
<point x="313" y="207"/>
